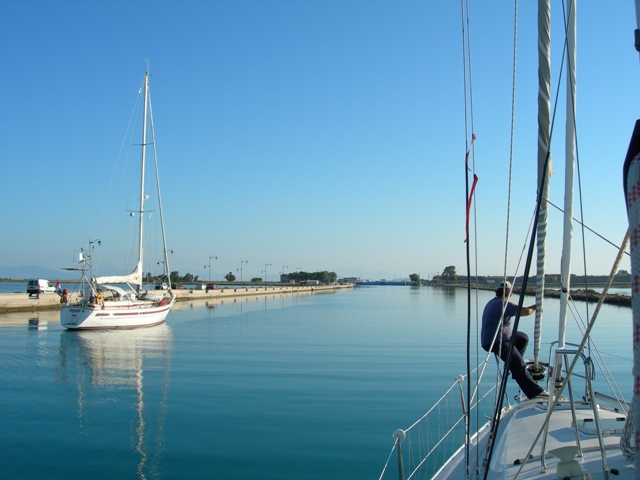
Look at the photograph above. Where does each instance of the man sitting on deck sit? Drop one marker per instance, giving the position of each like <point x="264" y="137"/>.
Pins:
<point x="492" y="321"/>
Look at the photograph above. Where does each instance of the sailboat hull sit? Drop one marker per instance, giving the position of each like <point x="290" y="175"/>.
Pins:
<point x="127" y="315"/>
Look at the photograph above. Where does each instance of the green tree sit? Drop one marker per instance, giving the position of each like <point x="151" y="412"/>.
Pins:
<point x="256" y="280"/>
<point x="414" y="277"/>
<point x="175" y="277"/>
<point x="230" y="277"/>
<point x="449" y="273"/>
<point x="188" y="278"/>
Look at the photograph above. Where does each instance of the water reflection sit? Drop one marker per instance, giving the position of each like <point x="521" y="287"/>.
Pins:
<point x="125" y="372"/>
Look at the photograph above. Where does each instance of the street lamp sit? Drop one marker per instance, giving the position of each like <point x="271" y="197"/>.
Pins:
<point x="265" y="271"/>
<point x="214" y="257"/>
<point x="241" y="262"/>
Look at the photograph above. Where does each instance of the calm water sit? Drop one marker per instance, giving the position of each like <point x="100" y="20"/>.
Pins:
<point x="284" y="387"/>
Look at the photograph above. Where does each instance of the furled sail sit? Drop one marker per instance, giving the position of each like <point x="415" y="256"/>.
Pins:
<point x="134" y="277"/>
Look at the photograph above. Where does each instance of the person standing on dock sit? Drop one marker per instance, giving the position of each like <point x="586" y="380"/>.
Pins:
<point x="494" y="319"/>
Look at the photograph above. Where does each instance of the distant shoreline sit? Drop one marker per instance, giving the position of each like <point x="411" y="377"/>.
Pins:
<point x="581" y="295"/>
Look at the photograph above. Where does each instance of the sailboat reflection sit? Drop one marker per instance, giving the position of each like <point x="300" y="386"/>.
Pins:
<point x="110" y="369"/>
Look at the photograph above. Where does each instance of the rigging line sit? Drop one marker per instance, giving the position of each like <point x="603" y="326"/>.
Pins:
<point x="475" y="223"/>
<point x="503" y="385"/>
<point x="167" y="270"/>
<point x="540" y="191"/>
<point x="467" y="413"/>
<point x="577" y="356"/>
<point x="588" y="228"/>
<point x="128" y="132"/>
<point x="513" y="103"/>
<point x="510" y="177"/>
<point x="471" y="118"/>
<point x="577" y="160"/>
<point x="544" y="177"/>
<point x="598" y="357"/>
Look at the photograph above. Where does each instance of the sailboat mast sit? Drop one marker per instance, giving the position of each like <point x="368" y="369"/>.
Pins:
<point x="142" y="168"/>
<point x="570" y="139"/>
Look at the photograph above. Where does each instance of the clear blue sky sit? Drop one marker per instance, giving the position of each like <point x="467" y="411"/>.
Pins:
<point x="321" y="135"/>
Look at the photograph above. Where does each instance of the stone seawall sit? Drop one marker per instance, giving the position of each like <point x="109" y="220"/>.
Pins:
<point x="22" y="302"/>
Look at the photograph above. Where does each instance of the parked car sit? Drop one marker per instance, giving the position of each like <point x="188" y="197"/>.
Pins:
<point x="177" y="286"/>
<point x="200" y="286"/>
<point x="162" y="286"/>
<point x="39" y="285"/>
<point x="211" y="286"/>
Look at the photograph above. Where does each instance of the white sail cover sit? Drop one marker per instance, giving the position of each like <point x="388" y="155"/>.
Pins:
<point x="134" y="277"/>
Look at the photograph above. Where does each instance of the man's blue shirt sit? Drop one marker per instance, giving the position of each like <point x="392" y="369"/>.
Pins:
<point x="491" y="320"/>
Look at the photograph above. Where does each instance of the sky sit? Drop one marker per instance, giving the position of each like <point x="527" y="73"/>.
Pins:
<point x="305" y="135"/>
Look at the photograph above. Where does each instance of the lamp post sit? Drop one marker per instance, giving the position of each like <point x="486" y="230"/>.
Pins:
<point x="214" y="257"/>
<point x="282" y="273"/>
<point x="265" y="271"/>
<point x="241" y="262"/>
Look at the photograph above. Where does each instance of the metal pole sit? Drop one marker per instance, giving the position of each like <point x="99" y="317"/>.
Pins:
<point x="400" y="435"/>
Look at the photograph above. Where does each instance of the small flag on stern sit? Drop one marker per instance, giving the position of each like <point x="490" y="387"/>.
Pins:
<point x="58" y="288"/>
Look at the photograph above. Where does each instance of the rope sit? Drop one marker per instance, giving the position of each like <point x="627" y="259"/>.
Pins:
<point x="627" y="448"/>
<point x="585" y="227"/>
<point x="468" y="116"/>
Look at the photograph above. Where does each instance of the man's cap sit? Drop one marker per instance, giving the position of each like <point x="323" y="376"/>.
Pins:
<point x="505" y="285"/>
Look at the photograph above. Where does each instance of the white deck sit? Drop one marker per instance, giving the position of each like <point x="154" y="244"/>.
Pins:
<point x="518" y="430"/>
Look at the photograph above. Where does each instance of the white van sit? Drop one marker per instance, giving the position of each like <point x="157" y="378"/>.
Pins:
<point x="38" y="285"/>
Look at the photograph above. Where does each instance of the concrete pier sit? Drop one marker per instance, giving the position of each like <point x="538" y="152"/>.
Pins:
<point x="22" y="302"/>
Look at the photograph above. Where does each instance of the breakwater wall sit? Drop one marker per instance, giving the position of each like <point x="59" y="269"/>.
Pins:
<point x="580" y="295"/>
<point x="22" y="302"/>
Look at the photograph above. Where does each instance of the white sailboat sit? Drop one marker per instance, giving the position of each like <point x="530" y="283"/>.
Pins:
<point x="102" y="303"/>
<point x="575" y="432"/>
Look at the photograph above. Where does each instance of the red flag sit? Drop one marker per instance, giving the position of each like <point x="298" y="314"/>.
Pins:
<point x="473" y="188"/>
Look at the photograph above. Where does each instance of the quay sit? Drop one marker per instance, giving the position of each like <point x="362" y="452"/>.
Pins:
<point x="22" y="302"/>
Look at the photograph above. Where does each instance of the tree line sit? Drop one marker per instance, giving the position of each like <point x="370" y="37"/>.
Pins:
<point x="299" y="277"/>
